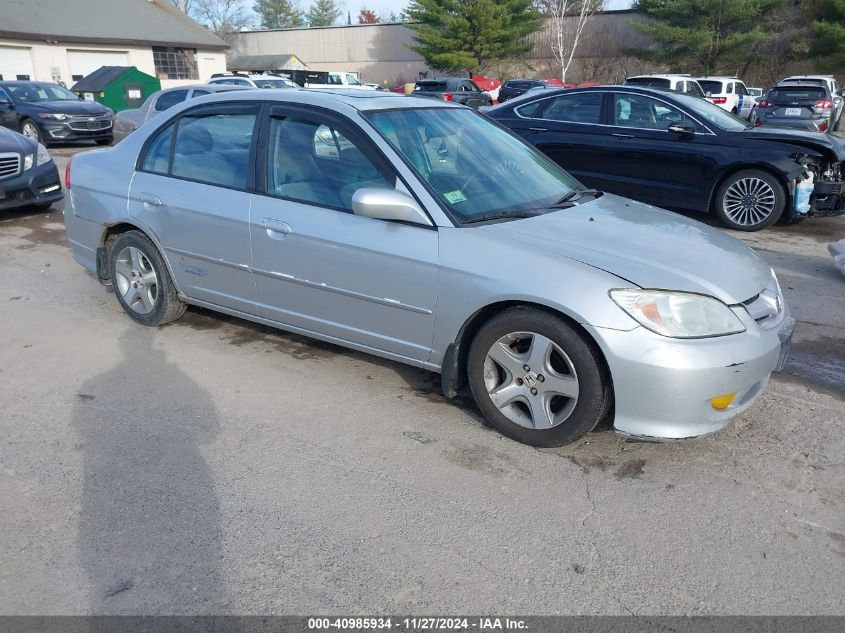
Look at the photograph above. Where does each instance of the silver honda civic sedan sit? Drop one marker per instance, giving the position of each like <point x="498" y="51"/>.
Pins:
<point x="422" y="232"/>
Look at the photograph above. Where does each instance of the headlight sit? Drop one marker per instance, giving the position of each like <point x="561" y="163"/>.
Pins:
<point x="678" y="314"/>
<point x="53" y="116"/>
<point x="42" y="156"/>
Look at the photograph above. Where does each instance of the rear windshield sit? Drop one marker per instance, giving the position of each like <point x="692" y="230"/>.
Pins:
<point x="430" y="86"/>
<point x="523" y="85"/>
<point x="713" y="87"/>
<point x="649" y="82"/>
<point x="820" y="82"/>
<point x="802" y="93"/>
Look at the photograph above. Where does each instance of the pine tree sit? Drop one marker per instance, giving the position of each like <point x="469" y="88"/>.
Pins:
<point x="703" y="35"/>
<point x="323" y="13"/>
<point x="279" y="14"/>
<point x="468" y="35"/>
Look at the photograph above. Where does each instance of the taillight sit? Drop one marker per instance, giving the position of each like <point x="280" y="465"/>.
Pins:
<point x="67" y="173"/>
<point x="823" y="126"/>
<point x="765" y="104"/>
<point x="720" y="100"/>
<point x="824" y="104"/>
<point x="448" y="96"/>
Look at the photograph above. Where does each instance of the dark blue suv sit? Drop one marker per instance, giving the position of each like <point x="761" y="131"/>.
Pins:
<point x="49" y="113"/>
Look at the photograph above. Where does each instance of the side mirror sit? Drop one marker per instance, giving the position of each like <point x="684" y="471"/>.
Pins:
<point x="682" y="129"/>
<point x="388" y="204"/>
<point x="4" y="101"/>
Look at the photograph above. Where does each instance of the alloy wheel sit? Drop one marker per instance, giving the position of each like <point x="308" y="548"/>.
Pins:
<point x="30" y="131"/>
<point x="531" y="380"/>
<point x="136" y="280"/>
<point x="749" y="201"/>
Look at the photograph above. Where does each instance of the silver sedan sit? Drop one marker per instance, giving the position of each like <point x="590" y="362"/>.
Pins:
<point x="422" y="232"/>
<point x="127" y="121"/>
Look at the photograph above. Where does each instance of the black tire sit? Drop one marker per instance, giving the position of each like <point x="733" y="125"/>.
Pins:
<point x="167" y="306"/>
<point x="29" y="123"/>
<point x="105" y="141"/>
<point x="594" y="385"/>
<point x="772" y="216"/>
<point x="42" y="207"/>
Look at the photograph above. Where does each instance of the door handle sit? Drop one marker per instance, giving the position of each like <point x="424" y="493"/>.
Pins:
<point x="148" y="198"/>
<point x="623" y="137"/>
<point x="538" y="129"/>
<point x="276" y="228"/>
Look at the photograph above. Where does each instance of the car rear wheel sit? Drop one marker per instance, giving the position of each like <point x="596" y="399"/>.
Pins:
<point x="750" y="200"/>
<point x="536" y="379"/>
<point x="30" y="130"/>
<point x="141" y="282"/>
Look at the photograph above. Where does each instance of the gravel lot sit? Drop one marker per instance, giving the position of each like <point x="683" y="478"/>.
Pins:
<point x="216" y="466"/>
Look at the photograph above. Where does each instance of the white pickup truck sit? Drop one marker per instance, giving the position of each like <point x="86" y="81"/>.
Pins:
<point x="340" y="79"/>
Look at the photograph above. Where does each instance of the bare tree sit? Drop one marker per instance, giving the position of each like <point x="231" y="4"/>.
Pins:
<point x="183" y="5"/>
<point x="223" y="17"/>
<point x="566" y="22"/>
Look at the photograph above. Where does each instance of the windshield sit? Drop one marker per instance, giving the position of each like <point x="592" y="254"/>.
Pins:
<point x="270" y="83"/>
<point x="430" y="86"/>
<point x="799" y="93"/>
<point x="713" y="114"/>
<point x="473" y="166"/>
<point x="713" y="87"/>
<point x="31" y="93"/>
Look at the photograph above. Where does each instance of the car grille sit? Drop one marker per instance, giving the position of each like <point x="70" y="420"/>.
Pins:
<point x="766" y="308"/>
<point x="89" y="123"/>
<point x="10" y="165"/>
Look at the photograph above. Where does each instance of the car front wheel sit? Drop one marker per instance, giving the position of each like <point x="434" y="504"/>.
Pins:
<point x="750" y="200"/>
<point x="30" y="130"/>
<point x="141" y="281"/>
<point x="536" y="379"/>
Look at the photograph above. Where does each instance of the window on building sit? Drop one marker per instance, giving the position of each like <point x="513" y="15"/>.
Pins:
<point x="175" y="63"/>
<point x="76" y="77"/>
<point x="22" y="77"/>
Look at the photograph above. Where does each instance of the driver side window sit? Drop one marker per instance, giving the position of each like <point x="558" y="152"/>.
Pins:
<point x="313" y="162"/>
<point x="644" y="113"/>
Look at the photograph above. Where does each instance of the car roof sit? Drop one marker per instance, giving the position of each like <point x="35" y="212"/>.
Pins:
<point x="664" y="76"/>
<point x="796" y="77"/>
<point x="26" y="82"/>
<point x="361" y="100"/>
<point x="799" y="84"/>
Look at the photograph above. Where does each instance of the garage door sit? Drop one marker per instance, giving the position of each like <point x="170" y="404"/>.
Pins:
<point x="82" y="63"/>
<point x="15" y="63"/>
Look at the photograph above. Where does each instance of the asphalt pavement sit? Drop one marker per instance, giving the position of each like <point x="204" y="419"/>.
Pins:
<point x="217" y="466"/>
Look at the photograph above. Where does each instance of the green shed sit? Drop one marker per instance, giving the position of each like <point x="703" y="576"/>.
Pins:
<point x="117" y="87"/>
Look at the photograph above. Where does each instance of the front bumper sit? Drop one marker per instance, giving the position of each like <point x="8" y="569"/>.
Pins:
<point x="663" y="386"/>
<point x="100" y="128"/>
<point x="36" y="185"/>
<point x="828" y="198"/>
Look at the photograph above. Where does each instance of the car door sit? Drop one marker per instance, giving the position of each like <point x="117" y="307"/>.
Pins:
<point x="569" y="129"/>
<point x="745" y="102"/>
<point x="191" y="192"/>
<point x="647" y="162"/>
<point x="318" y="266"/>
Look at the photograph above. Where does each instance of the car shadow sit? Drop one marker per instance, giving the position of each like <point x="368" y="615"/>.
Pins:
<point x="150" y="535"/>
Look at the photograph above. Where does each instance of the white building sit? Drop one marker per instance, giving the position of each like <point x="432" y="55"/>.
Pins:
<point x="64" y="40"/>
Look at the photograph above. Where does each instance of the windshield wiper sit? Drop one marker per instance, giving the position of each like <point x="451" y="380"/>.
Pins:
<point x="502" y="215"/>
<point x="575" y="195"/>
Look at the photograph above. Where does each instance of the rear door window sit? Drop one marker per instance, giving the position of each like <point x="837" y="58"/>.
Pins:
<point x="170" y="99"/>
<point x="205" y="145"/>
<point x="582" y="107"/>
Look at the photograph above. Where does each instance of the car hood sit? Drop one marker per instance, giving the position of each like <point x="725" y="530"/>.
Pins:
<point x="646" y="246"/>
<point x="818" y="141"/>
<point x="13" y="142"/>
<point x="68" y="106"/>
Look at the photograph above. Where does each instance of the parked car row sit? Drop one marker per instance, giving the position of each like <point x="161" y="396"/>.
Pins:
<point x="421" y="231"/>
<point x="28" y="176"/>
<point x="680" y="151"/>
